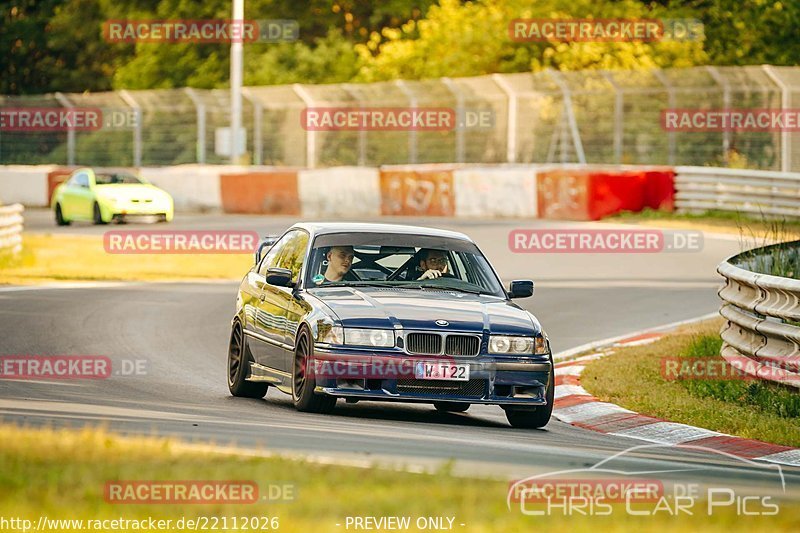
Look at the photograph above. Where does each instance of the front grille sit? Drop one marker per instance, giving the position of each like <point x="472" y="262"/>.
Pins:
<point x="462" y="345"/>
<point x="424" y="343"/>
<point x="472" y="388"/>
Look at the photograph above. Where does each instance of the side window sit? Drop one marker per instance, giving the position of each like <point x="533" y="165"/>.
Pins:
<point x="78" y="180"/>
<point x="294" y="253"/>
<point x="271" y="259"/>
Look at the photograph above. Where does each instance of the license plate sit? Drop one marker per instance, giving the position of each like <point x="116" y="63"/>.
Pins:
<point x="445" y="371"/>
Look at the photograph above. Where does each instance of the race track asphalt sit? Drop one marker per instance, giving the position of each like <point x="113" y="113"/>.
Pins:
<point x="180" y="331"/>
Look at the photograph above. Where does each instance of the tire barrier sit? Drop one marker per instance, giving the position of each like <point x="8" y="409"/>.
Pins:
<point x="11" y="221"/>
<point x="761" y="335"/>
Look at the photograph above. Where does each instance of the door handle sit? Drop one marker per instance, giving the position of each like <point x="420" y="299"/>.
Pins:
<point x="262" y="297"/>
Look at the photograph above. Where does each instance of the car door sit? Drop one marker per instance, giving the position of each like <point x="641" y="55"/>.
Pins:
<point x="77" y="199"/>
<point x="292" y="258"/>
<point x="267" y="321"/>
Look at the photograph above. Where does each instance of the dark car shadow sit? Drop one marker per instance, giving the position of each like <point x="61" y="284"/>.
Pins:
<point x="396" y="412"/>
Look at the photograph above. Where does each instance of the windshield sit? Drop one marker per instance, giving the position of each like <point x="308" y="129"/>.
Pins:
<point x="401" y="261"/>
<point x="113" y="178"/>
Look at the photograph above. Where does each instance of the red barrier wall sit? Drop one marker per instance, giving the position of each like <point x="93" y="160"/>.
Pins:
<point x="591" y="194"/>
<point x="56" y="177"/>
<point x="273" y="193"/>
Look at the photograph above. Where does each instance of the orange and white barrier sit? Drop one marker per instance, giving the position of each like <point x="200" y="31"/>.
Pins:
<point x="568" y="192"/>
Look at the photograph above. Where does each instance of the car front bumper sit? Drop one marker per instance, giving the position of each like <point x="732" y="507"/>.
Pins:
<point x="127" y="208"/>
<point x="493" y="381"/>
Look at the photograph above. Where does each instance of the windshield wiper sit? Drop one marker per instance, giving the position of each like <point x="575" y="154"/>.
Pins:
<point x="384" y="284"/>
<point x="446" y="287"/>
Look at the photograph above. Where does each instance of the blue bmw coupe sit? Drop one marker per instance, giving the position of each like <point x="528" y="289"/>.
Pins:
<point x="385" y="312"/>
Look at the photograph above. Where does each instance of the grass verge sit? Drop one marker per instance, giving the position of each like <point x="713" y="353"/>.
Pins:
<point x="633" y="378"/>
<point x="48" y="257"/>
<point x="61" y="474"/>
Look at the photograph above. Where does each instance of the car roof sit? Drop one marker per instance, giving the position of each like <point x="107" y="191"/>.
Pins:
<point x="322" y="228"/>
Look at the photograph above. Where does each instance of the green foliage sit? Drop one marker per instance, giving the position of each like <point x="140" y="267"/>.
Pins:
<point x="768" y="397"/>
<point x="471" y="39"/>
<point x="330" y="60"/>
<point x="55" y="45"/>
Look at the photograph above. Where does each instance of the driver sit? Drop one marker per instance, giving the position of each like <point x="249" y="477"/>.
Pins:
<point x="433" y="263"/>
<point x="340" y="259"/>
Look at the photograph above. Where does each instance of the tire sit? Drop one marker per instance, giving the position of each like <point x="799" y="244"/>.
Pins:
<point x="60" y="220"/>
<point x="97" y="215"/>
<point x="538" y="417"/>
<point x="305" y="399"/>
<point x="238" y="363"/>
<point x="451" y="407"/>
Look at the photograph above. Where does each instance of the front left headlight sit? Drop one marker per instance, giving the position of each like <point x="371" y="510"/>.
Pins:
<point x="331" y="334"/>
<point x="511" y="345"/>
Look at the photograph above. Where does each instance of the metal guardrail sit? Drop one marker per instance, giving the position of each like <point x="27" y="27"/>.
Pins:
<point x="761" y="335"/>
<point x="549" y="116"/>
<point x="11" y="228"/>
<point x="750" y="191"/>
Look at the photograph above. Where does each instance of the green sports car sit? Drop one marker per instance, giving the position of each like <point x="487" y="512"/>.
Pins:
<point x="101" y="197"/>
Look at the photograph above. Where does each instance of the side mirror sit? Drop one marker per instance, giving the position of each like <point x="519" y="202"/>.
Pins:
<point x="265" y="244"/>
<point x="520" y="288"/>
<point x="280" y="277"/>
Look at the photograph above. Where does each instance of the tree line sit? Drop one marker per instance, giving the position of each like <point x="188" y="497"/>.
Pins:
<point x="59" y="45"/>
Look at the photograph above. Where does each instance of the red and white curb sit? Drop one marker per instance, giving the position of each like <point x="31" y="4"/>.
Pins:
<point x="575" y="406"/>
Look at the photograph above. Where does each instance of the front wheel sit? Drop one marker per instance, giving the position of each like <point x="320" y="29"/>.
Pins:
<point x="303" y="381"/>
<point x="97" y="215"/>
<point x="238" y="363"/>
<point x="538" y="417"/>
<point x="60" y="220"/>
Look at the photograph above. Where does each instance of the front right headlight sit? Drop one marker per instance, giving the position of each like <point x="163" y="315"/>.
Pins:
<point x="512" y="345"/>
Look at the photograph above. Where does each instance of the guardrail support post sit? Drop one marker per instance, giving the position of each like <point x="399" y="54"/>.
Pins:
<point x="511" y="131"/>
<point x="618" y="116"/>
<point x="460" y="116"/>
<point x="258" y="111"/>
<point x="362" y="133"/>
<point x="201" y="124"/>
<point x="671" y="104"/>
<point x="726" y="104"/>
<point x="413" y="103"/>
<point x="64" y="101"/>
<point x="137" y="128"/>
<point x="311" y="136"/>
<point x="786" y="97"/>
